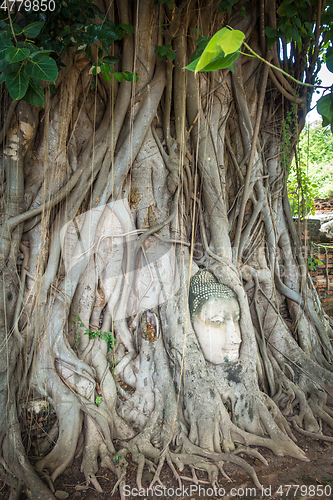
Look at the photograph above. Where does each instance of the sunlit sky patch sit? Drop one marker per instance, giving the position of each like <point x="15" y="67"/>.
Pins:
<point x="327" y="80"/>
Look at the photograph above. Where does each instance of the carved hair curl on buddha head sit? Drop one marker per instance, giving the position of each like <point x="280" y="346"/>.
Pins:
<point x="215" y="317"/>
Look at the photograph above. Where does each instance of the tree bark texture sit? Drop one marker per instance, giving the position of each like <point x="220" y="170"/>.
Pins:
<point x="100" y="188"/>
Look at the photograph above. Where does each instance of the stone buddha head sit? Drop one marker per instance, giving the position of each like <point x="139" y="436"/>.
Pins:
<point x="215" y="317"/>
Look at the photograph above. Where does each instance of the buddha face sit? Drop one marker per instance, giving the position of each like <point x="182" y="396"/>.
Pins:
<point x="216" y="325"/>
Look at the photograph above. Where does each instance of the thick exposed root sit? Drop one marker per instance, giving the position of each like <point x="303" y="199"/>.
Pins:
<point x="314" y="435"/>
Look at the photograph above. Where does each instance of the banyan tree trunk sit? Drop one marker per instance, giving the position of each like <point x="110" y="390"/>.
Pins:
<point x="112" y="199"/>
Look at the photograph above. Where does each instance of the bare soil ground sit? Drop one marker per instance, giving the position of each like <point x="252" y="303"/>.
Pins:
<point x="284" y="478"/>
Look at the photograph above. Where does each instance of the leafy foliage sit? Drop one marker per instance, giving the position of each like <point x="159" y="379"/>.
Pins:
<point x="313" y="263"/>
<point x="107" y="336"/>
<point x="22" y="65"/>
<point x="301" y="192"/>
<point x="30" y="50"/>
<point x="293" y="28"/>
<point x="314" y="176"/>
<point x="316" y="151"/>
<point x="105" y="67"/>
<point x="165" y="51"/>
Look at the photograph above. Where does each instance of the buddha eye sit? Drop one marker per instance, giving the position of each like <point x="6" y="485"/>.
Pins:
<point x="218" y="322"/>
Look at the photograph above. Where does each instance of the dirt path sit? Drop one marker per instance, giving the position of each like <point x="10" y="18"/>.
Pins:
<point x="284" y="478"/>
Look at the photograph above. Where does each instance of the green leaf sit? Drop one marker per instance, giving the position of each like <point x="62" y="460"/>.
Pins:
<point x="270" y="42"/>
<point x="325" y="108"/>
<point x="282" y="9"/>
<point x="3" y="35"/>
<point x="15" y="54"/>
<point x="110" y="59"/>
<point x="16" y="28"/>
<point x="161" y="51"/>
<point x="118" y="77"/>
<point x="222" y="62"/>
<point x="329" y="63"/>
<point x="44" y="68"/>
<point x="126" y="27"/>
<point x="309" y="27"/>
<point x="3" y="64"/>
<point x="226" y="5"/>
<point x="192" y="65"/>
<point x="293" y="33"/>
<point x="104" y="69"/>
<point x="33" y="29"/>
<point x="242" y="12"/>
<point x="4" y="45"/>
<point x="201" y="43"/>
<point x="270" y="32"/>
<point x="35" y="93"/>
<point x="291" y="10"/>
<point x="17" y="84"/>
<point x="128" y="76"/>
<point x="107" y="77"/>
<point x="37" y="52"/>
<point x="171" y="55"/>
<point x="224" y="41"/>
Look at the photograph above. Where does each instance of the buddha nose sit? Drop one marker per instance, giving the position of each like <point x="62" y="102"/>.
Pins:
<point x="233" y="335"/>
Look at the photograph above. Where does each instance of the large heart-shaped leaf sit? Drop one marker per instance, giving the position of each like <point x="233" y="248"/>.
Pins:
<point x="223" y="43"/>
<point x="15" y="54"/>
<point x="4" y="45"/>
<point x="220" y="62"/>
<point x="43" y="67"/>
<point x="325" y="108"/>
<point x="35" y="94"/>
<point x="17" y="84"/>
<point x="231" y="41"/>
<point x="3" y="64"/>
<point x="211" y="51"/>
<point x="33" y="29"/>
<point x="14" y="27"/>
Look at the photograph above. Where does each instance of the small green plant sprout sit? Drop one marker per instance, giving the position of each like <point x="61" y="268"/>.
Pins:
<point x="116" y="459"/>
<point x="313" y="263"/>
<point x="78" y="323"/>
<point x="107" y="336"/>
<point x="98" y="400"/>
